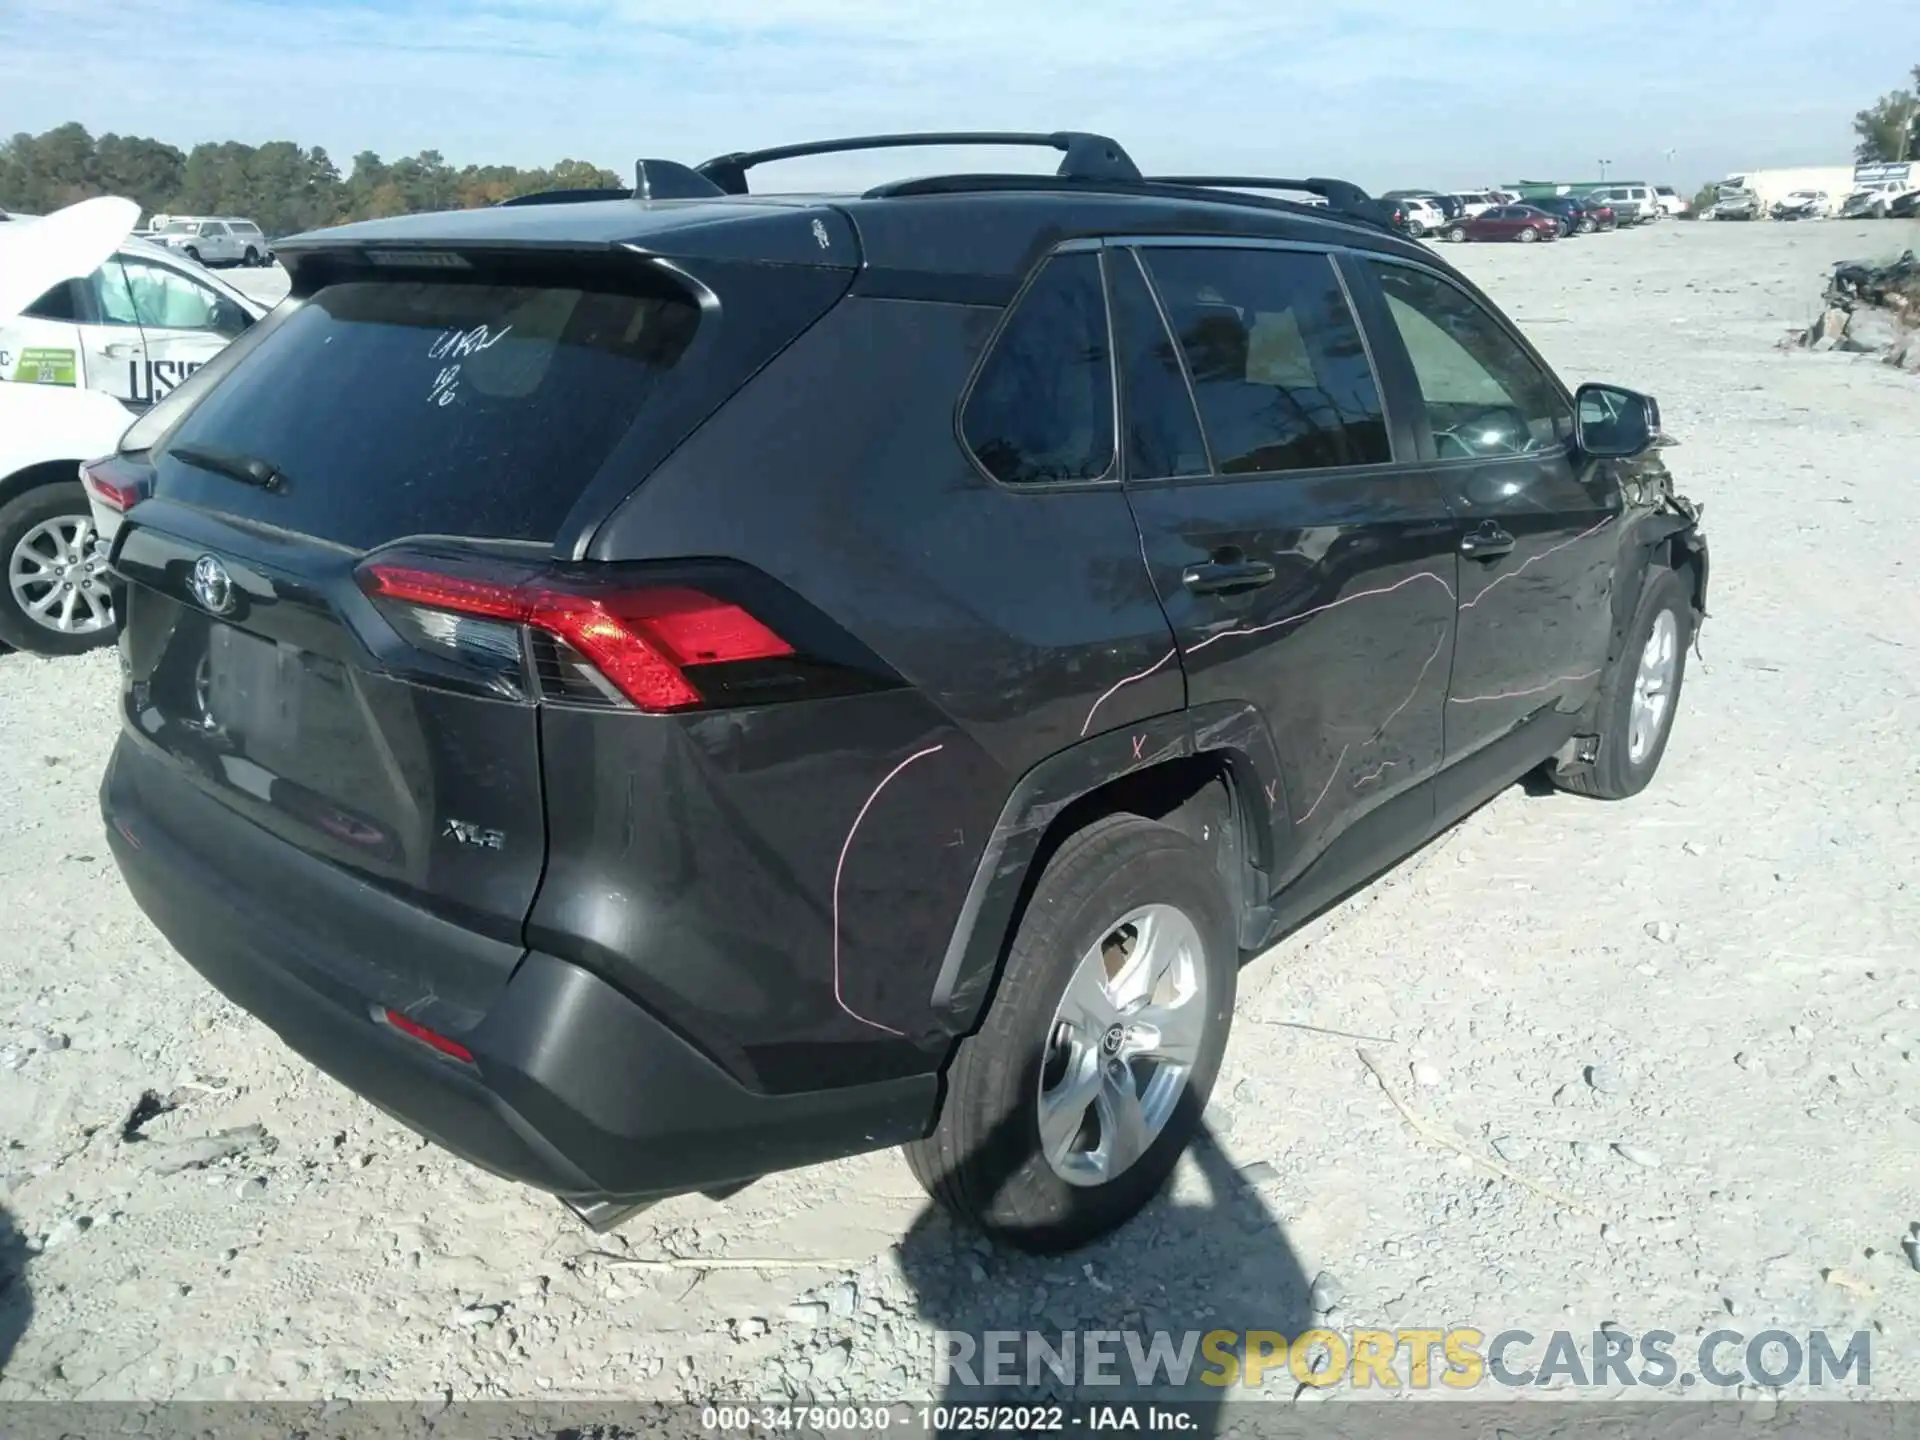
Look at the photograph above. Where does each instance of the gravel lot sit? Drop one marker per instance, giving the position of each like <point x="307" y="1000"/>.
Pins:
<point x="1718" y="978"/>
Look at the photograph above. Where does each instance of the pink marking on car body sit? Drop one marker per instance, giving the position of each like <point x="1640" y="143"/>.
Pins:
<point x="1087" y="724"/>
<point x="841" y="865"/>
<point x="1339" y="760"/>
<point x="1521" y="694"/>
<point x="1521" y="568"/>
<point x="1330" y="605"/>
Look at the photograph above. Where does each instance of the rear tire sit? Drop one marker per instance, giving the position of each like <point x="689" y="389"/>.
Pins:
<point x="1653" y="659"/>
<point x="1117" y="901"/>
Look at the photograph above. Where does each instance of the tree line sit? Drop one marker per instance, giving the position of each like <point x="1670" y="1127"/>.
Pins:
<point x="1889" y="129"/>
<point x="281" y="186"/>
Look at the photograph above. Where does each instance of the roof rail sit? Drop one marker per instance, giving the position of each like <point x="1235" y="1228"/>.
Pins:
<point x="564" y="197"/>
<point x="1360" y="211"/>
<point x="1341" y="195"/>
<point x="1087" y="156"/>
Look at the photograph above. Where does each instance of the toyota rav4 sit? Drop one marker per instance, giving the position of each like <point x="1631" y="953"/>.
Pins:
<point x="659" y="688"/>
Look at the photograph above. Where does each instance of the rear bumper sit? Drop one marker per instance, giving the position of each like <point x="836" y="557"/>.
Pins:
<point x="574" y="1088"/>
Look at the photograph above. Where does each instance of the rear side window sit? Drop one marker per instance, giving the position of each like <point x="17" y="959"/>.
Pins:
<point x="410" y="407"/>
<point x="1041" y="411"/>
<point x="1277" y="360"/>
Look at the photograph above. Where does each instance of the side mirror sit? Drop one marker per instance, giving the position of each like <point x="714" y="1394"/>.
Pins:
<point x="1614" y="423"/>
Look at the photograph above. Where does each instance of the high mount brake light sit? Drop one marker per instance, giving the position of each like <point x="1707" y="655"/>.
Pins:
<point x="642" y="639"/>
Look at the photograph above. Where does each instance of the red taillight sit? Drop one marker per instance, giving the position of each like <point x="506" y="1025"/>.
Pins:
<point x="425" y="1036"/>
<point x="642" y="640"/>
<point x="113" y="484"/>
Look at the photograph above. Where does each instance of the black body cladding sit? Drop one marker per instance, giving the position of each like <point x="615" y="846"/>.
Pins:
<point x="959" y="511"/>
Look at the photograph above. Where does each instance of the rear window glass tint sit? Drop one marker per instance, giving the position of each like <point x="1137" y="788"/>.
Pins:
<point x="1042" y="410"/>
<point x="414" y="407"/>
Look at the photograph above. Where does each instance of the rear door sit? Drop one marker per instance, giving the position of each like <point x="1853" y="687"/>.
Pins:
<point x="1305" y="567"/>
<point x="1537" y="526"/>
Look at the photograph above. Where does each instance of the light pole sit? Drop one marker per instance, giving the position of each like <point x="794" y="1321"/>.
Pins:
<point x="1603" y="168"/>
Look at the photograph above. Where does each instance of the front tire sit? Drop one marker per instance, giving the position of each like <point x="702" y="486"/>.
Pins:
<point x="1457" y="234"/>
<point x="1529" y="237"/>
<point x="59" y="598"/>
<point x="192" y="252"/>
<point x="1641" y="693"/>
<point x="251" y="259"/>
<point x="1067" y="1110"/>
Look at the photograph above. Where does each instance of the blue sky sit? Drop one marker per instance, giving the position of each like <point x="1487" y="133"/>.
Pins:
<point x="1385" y="92"/>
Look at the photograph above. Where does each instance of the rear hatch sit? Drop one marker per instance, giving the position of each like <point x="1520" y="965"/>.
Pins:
<point x="340" y="549"/>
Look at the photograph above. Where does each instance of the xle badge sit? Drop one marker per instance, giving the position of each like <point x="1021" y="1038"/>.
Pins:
<point x="465" y="832"/>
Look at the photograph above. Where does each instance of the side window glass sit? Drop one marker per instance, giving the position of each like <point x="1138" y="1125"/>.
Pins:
<point x="57" y="304"/>
<point x="112" y="295"/>
<point x="1041" y="410"/>
<point x="1278" y="363"/>
<point x="164" y="299"/>
<point x="1162" y="430"/>
<point x="1483" y="394"/>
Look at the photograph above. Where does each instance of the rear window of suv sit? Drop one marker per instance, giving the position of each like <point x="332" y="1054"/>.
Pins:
<point x="403" y="407"/>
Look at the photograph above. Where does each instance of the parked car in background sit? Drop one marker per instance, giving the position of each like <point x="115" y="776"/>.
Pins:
<point x="121" y="331"/>
<point x="1575" y="217"/>
<point x="1475" y="202"/>
<point x="1804" y="205"/>
<point x="1737" y="205"/>
<point x="1601" y="212"/>
<point x="1507" y="222"/>
<point x="1871" y="202"/>
<point x="1671" y="202"/>
<point x="1632" y="204"/>
<point x="1422" y="215"/>
<point x="213" y="240"/>
<point x="1907" y="207"/>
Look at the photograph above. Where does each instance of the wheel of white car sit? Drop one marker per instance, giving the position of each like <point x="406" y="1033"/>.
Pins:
<point x="1416" y="229"/>
<point x="59" y="596"/>
<point x="252" y="258"/>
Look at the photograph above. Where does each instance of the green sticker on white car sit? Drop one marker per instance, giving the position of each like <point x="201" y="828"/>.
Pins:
<point x="46" y="367"/>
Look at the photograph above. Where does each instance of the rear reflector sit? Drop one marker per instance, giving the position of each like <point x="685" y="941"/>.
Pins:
<point x="425" y="1036"/>
<point x="642" y="640"/>
<point x="113" y="483"/>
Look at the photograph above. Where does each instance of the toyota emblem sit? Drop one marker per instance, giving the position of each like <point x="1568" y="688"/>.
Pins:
<point x="212" y="586"/>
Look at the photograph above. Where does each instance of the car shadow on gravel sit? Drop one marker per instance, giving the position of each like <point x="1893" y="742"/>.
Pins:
<point x="16" y="1301"/>
<point x="1182" y="1267"/>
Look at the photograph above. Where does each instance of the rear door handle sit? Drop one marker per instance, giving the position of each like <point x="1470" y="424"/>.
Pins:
<point x="1227" y="577"/>
<point x="121" y="351"/>
<point x="1489" y="542"/>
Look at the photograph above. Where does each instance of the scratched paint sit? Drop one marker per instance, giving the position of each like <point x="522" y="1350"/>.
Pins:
<point x="1157" y="665"/>
<point x="840" y="868"/>
<point x="1533" y="560"/>
<point x="1554" y="683"/>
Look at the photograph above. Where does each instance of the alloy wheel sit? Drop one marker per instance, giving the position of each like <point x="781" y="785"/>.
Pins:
<point x="1653" y="687"/>
<point x="59" y="578"/>
<point x="1122" y="1042"/>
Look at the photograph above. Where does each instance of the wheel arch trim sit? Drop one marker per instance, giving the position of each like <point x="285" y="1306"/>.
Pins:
<point x="1233" y="735"/>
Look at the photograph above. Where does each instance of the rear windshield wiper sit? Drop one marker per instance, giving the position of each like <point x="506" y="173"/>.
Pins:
<point x="245" y="468"/>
